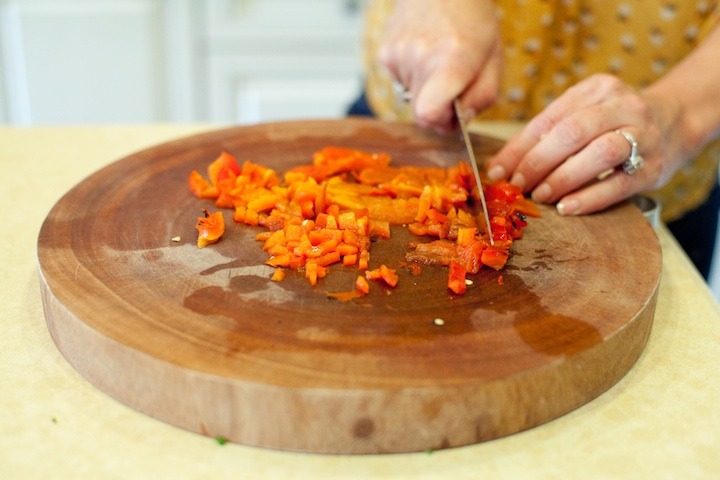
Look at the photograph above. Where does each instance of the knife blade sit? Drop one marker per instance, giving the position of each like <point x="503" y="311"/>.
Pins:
<point x="476" y="172"/>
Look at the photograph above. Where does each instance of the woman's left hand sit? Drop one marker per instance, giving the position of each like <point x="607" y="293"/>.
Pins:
<point x="563" y="152"/>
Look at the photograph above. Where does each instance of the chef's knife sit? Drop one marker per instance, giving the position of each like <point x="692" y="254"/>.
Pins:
<point x="473" y="163"/>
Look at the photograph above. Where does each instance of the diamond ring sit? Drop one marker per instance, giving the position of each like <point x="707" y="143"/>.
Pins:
<point x="634" y="161"/>
<point x="401" y="93"/>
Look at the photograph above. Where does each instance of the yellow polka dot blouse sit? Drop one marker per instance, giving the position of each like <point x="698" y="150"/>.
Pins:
<point x="551" y="44"/>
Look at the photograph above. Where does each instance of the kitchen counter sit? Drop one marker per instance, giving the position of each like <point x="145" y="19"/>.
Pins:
<point x="662" y="420"/>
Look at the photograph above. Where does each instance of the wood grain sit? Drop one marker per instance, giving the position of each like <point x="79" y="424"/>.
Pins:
<point x="202" y="339"/>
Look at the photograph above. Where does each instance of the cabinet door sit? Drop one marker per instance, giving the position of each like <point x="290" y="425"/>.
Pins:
<point x="3" y="95"/>
<point x="282" y="59"/>
<point x="135" y="61"/>
<point x="250" y="90"/>
<point x="82" y="61"/>
<point x="273" y="22"/>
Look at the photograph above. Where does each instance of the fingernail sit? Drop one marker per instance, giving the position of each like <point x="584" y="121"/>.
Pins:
<point x="568" y="207"/>
<point x="496" y="173"/>
<point x="518" y="180"/>
<point x="542" y="193"/>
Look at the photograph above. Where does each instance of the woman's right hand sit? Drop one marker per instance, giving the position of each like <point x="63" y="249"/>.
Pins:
<point x="440" y="51"/>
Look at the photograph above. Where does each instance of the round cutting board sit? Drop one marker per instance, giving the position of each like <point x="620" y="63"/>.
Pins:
<point x="202" y="339"/>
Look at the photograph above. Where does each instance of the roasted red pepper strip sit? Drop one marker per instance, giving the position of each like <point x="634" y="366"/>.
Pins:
<point x="387" y="275"/>
<point x="200" y="187"/>
<point x="210" y="228"/>
<point x="456" y="278"/>
<point x="222" y="167"/>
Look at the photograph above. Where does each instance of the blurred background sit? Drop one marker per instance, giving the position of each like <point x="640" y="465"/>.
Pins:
<point x="139" y="61"/>
<point x="84" y="62"/>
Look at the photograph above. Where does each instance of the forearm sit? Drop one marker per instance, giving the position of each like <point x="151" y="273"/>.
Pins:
<point x="692" y="87"/>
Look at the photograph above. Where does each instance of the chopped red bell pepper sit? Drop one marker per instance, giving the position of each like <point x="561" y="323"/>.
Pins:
<point x="331" y="211"/>
<point x="456" y="278"/>
<point x="210" y="228"/>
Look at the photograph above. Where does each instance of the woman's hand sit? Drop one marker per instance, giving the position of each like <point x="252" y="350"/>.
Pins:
<point x="443" y="50"/>
<point x="563" y="152"/>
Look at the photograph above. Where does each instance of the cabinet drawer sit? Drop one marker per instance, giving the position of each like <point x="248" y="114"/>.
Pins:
<point x="236" y="17"/>
<point x="254" y="90"/>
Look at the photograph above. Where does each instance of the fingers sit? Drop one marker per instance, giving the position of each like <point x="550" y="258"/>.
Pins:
<point x="432" y="104"/>
<point x="598" y="195"/>
<point x="593" y="179"/>
<point x="483" y="91"/>
<point x="566" y="121"/>
<point x="439" y="54"/>
<point x="506" y="161"/>
<point x="405" y="62"/>
<point x="477" y="90"/>
<point x="582" y="137"/>
<point x="430" y="89"/>
<point x="573" y="154"/>
<point x="600" y="158"/>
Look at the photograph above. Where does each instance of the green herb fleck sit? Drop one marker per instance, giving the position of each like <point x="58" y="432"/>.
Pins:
<point x="221" y="440"/>
<point x="429" y="451"/>
<point x="54" y="420"/>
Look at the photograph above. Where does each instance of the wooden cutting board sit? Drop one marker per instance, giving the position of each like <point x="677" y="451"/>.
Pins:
<point x="202" y="339"/>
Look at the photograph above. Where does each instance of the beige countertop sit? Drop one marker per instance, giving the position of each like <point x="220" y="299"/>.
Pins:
<point x="662" y="420"/>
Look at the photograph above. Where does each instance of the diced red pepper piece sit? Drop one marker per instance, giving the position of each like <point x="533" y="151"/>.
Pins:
<point x="387" y="275"/>
<point x="494" y="258"/>
<point x="210" y="228"/>
<point x="456" y="278"/>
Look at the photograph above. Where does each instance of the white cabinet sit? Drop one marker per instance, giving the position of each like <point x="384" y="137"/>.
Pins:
<point x="81" y="61"/>
<point x="3" y="107"/>
<point x="281" y="59"/>
<point x="131" y="61"/>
